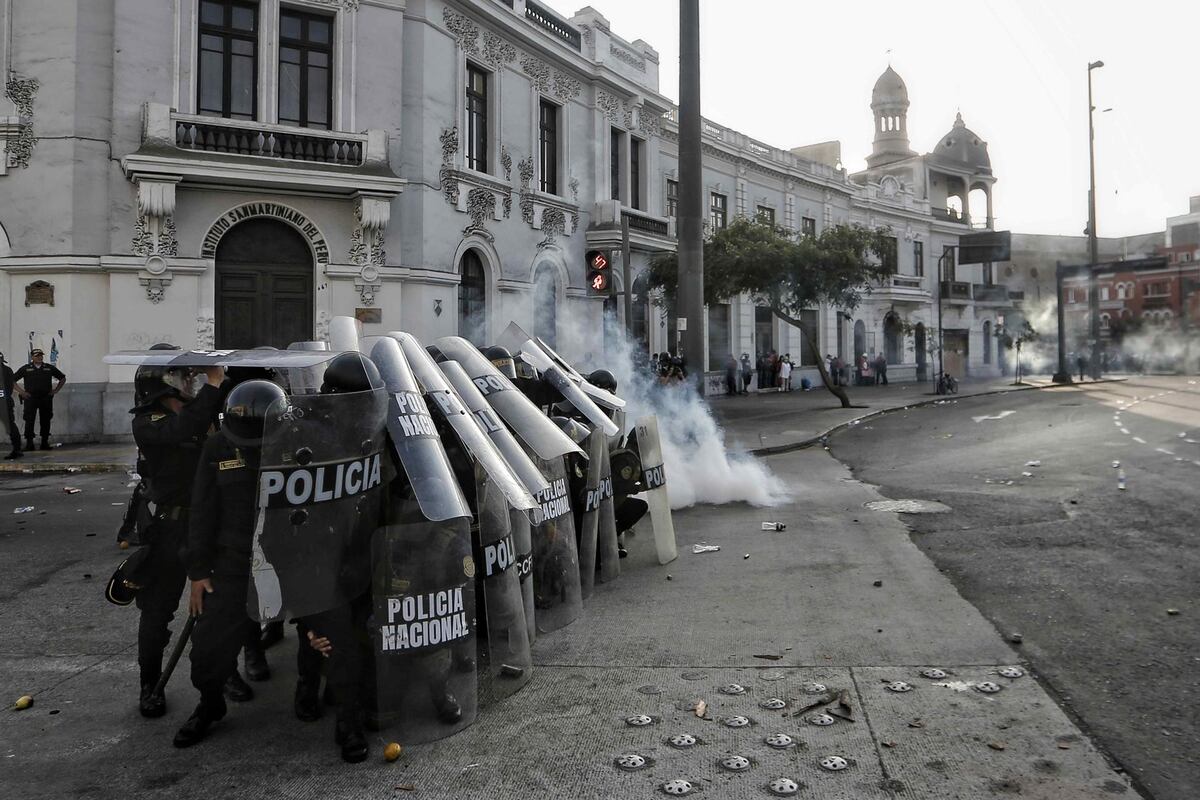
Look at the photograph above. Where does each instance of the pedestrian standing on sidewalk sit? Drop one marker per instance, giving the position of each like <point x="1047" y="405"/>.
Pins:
<point x="747" y="373"/>
<point x="785" y="373"/>
<point x="8" y="402"/>
<point x="35" y="390"/>
<point x="881" y="369"/>
<point x="731" y="375"/>
<point x="1081" y="362"/>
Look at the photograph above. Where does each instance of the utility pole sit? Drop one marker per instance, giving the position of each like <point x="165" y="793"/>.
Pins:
<point x="690" y="297"/>
<point x="1093" y="290"/>
<point x="627" y="276"/>
<point x="1064" y="374"/>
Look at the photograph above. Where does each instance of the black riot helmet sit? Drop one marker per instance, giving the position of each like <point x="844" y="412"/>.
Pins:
<point x="501" y="359"/>
<point x="574" y="430"/>
<point x="350" y="372"/>
<point x="246" y="409"/>
<point x="153" y="382"/>
<point x="603" y="379"/>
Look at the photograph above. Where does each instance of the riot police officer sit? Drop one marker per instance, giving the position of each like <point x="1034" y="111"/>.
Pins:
<point x="219" y="543"/>
<point x="169" y="426"/>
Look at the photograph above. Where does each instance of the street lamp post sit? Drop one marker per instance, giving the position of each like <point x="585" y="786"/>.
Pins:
<point x="949" y="250"/>
<point x="690" y="296"/>
<point x="1093" y="291"/>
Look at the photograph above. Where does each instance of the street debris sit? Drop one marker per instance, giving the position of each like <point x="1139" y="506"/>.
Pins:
<point x="996" y="745"/>
<point x="774" y="526"/>
<point x="392" y="751"/>
<point x="1121" y="479"/>
<point x="877" y="584"/>
<point x="916" y="723"/>
<point x="1016" y="638"/>
<point x="888" y="744"/>
<point x="844" y="709"/>
<point x="668" y="577"/>
<point x="745" y="556"/>
<point x="1033" y="463"/>
<point x="768" y="656"/>
<point x="1116" y="465"/>
<point x="405" y="787"/>
<point x="701" y="708"/>
<point x="74" y="469"/>
<point x="71" y="490"/>
<point x="1172" y="612"/>
<point x="23" y="509"/>
<point x="1026" y="474"/>
<point x="958" y="686"/>
<point x="705" y="548"/>
<point x="23" y="702"/>
<point x="1064" y="746"/>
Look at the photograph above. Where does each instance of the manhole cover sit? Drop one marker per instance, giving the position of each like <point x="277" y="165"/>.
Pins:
<point x="908" y="506"/>
<point x="933" y="673"/>
<point x="639" y="720"/>
<point x="821" y="720"/>
<point x="773" y="704"/>
<point x="779" y="741"/>
<point x="736" y="722"/>
<point x="834" y="763"/>
<point x="678" y="786"/>
<point x="812" y="688"/>
<point x="987" y="687"/>
<point x="630" y="762"/>
<point x="783" y="787"/>
<point x="732" y="688"/>
<point x="682" y="741"/>
<point x="735" y="763"/>
<point x="1012" y="672"/>
<point x="899" y="686"/>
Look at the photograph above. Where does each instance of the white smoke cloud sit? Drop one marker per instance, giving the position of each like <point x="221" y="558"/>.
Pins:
<point x="699" y="468"/>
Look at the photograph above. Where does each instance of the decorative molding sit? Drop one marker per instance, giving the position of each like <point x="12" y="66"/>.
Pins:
<point x="629" y="57"/>
<point x="574" y="184"/>
<point x="307" y="229"/>
<point x="538" y="72"/>
<point x="566" y="88"/>
<point x="205" y="333"/>
<point x="21" y="91"/>
<point x="348" y="5"/>
<point x="506" y="163"/>
<point x="574" y="222"/>
<point x="371" y="216"/>
<point x="614" y="108"/>
<point x="481" y="205"/>
<point x="648" y="123"/>
<point x="367" y="283"/>
<point x="525" y="170"/>
<point x="496" y="51"/>
<point x="447" y="176"/>
<point x="156" y="288"/>
<point x="588" y="35"/>
<point x="554" y="223"/>
<point x="464" y="30"/>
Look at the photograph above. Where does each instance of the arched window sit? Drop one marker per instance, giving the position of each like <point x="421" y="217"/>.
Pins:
<point x="860" y="339"/>
<point x="472" y="299"/>
<point x="545" y="304"/>
<point x="891" y="338"/>
<point x="987" y="342"/>
<point x="1105" y="322"/>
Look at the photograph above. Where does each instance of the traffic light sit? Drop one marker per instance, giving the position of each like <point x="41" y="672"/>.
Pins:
<point x="599" y="273"/>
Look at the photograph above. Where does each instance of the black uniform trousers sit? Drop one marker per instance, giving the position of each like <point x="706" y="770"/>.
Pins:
<point x="38" y="405"/>
<point x="344" y="627"/>
<point x="14" y="433"/>
<point x="220" y="632"/>
<point x="158" y="599"/>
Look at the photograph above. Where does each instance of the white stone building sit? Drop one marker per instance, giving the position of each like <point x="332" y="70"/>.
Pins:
<point x="235" y="172"/>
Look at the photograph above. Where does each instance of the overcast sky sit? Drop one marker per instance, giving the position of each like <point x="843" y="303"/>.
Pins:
<point x="794" y="72"/>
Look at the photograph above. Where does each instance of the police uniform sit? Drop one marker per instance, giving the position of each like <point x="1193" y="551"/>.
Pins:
<point x="7" y="405"/>
<point x="36" y="379"/>
<point x="170" y="445"/>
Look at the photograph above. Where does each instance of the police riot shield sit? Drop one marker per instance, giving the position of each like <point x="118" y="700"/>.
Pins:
<point x="306" y="380"/>
<point x="453" y="409"/>
<point x="557" y="596"/>
<point x="505" y="664"/>
<point x="414" y="437"/>
<point x="533" y="427"/>
<point x="589" y="508"/>
<point x="556" y="377"/>
<point x="607" y="546"/>
<point x="522" y="536"/>
<point x="320" y="481"/>
<point x="422" y="626"/>
<point x="514" y="336"/>
<point x="501" y="437"/>
<point x="344" y="333"/>
<point x="277" y="359"/>
<point x="654" y="480"/>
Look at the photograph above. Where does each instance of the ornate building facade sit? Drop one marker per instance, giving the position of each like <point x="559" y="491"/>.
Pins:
<point x="231" y="173"/>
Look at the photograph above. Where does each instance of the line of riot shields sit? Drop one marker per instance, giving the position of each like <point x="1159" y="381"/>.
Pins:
<point x="471" y="501"/>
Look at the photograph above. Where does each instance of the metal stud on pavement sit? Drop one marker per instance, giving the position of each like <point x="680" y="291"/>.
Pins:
<point x="813" y="688"/>
<point x="682" y="741"/>
<point x="784" y="787"/>
<point x="933" y="673"/>
<point x="773" y="704"/>
<point x="899" y="686"/>
<point x="678" y="786"/>
<point x="1012" y="672"/>
<point x="630" y="762"/>
<point x="987" y="687"/>
<point x="780" y="741"/>
<point x="639" y="720"/>
<point x="735" y="763"/>
<point x="732" y="688"/>
<point x="736" y="722"/>
<point x="821" y="720"/>
<point x="834" y="763"/>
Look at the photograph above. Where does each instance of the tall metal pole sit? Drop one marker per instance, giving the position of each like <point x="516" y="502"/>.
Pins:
<point x="627" y="275"/>
<point x="691" y="194"/>
<point x="1093" y="257"/>
<point x="1063" y="375"/>
<point x="941" y="338"/>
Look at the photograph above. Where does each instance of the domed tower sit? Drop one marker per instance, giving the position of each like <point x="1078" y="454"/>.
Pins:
<point x="889" y="101"/>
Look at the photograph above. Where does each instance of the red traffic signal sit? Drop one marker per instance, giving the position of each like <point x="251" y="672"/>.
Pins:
<point x="599" y="273"/>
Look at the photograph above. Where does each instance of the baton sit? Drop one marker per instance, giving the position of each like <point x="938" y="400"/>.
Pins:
<point x="176" y="654"/>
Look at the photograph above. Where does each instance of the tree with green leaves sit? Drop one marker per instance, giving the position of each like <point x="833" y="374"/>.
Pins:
<point x="786" y="272"/>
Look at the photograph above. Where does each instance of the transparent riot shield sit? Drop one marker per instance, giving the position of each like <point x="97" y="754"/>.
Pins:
<point x="320" y="481"/>
<point x="522" y="534"/>
<point x="589" y="516"/>
<point x="557" y="597"/>
<point x="607" y="546"/>
<point x="422" y="626"/>
<point x="505" y="664"/>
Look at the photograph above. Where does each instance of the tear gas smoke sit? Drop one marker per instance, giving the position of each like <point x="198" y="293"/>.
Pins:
<point x="699" y="467"/>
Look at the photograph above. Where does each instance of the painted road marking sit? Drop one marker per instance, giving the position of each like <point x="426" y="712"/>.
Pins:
<point x="1001" y="415"/>
<point x="1139" y="440"/>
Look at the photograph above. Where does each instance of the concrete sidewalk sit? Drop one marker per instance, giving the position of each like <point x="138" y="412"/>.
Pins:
<point x="841" y="598"/>
<point x="90" y="457"/>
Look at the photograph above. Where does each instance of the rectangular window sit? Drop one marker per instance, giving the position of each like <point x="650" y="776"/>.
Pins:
<point x="1156" y="290"/>
<point x="918" y="259"/>
<point x="548" y="146"/>
<point x="948" y="266"/>
<point x="766" y="215"/>
<point x="717" y="212"/>
<point x="228" y="63"/>
<point x="477" y="119"/>
<point x="614" y="162"/>
<point x="718" y="336"/>
<point x="889" y="255"/>
<point x="305" y="55"/>
<point x="672" y="198"/>
<point x="635" y="173"/>
<point x="1103" y="292"/>
<point x="808" y="226"/>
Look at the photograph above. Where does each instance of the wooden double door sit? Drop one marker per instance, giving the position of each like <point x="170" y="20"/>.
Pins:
<point x="264" y="286"/>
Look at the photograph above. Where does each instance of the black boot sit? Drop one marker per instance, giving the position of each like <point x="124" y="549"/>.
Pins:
<point x="15" y="454"/>
<point x="210" y="710"/>
<point x="448" y="709"/>
<point x="151" y="705"/>
<point x="307" y="703"/>
<point x="257" y="668"/>
<point x="237" y="689"/>
<point x="45" y="444"/>
<point x="29" y="444"/>
<point x="349" y="735"/>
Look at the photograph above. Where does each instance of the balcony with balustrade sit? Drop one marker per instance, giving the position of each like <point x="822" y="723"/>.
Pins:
<point x="901" y="289"/>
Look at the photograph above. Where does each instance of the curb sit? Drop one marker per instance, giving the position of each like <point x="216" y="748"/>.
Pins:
<point x="17" y="468"/>
<point x="821" y="437"/>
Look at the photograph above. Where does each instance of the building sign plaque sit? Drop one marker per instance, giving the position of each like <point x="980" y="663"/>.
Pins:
<point x="235" y="215"/>
<point x="39" y="292"/>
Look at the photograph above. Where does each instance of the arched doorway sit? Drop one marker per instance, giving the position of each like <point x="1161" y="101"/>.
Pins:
<point x="860" y="339"/>
<point x="891" y="338"/>
<point x="921" y="347"/>
<point x="545" y="304"/>
<point x="472" y="299"/>
<point x="264" y="286"/>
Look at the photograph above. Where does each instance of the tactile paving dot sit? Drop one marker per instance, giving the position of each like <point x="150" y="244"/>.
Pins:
<point x="783" y="787"/>
<point x="821" y="720"/>
<point x="773" y="704"/>
<point x="736" y="722"/>
<point x="678" y="786"/>
<point x="834" y="763"/>
<point x="682" y="740"/>
<point x="987" y="687"/>
<point x="735" y="763"/>
<point x="779" y="741"/>
<point x="630" y="761"/>
<point x="639" y="720"/>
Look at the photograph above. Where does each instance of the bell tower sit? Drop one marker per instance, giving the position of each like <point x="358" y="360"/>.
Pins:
<point x="889" y="102"/>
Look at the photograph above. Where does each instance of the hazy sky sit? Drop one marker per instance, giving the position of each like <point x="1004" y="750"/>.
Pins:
<point x="794" y="72"/>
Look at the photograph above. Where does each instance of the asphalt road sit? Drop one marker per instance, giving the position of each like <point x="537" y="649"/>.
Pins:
<point x="1084" y="571"/>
